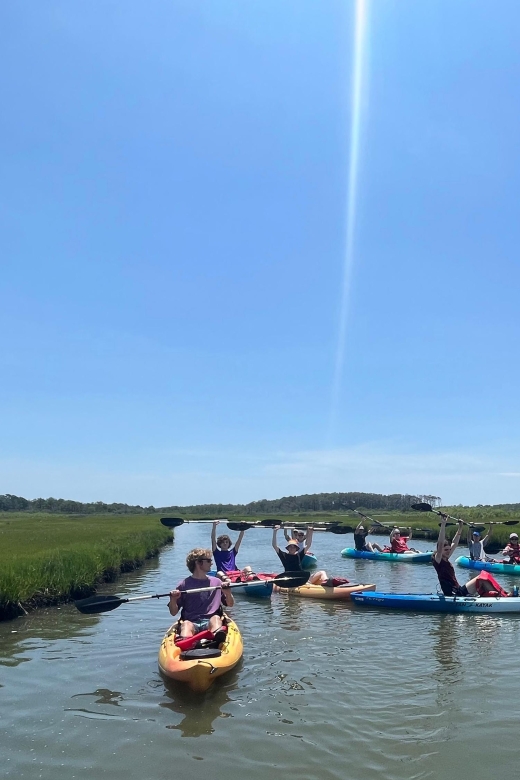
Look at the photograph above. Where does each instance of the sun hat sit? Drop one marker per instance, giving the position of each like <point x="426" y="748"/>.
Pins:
<point x="292" y="543"/>
<point x="513" y="536"/>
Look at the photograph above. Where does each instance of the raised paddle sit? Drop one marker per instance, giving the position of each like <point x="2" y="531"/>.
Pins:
<point x="94" y="604"/>
<point x="423" y="507"/>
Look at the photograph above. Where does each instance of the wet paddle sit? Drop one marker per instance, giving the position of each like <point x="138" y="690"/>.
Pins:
<point x="95" y="604"/>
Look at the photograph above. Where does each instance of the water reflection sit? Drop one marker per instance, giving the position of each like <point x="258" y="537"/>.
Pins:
<point x="199" y="711"/>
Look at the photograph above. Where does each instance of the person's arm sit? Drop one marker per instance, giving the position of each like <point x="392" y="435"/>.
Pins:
<point x="356" y="529"/>
<point x="287" y="536"/>
<point x="173" y="604"/>
<point x="214" y="535"/>
<point x="308" y="538"/>
<point x="227" y="595"/>
<point x="456" y="538"/>
<point x="485" y="540"/>
<point x="239" y="541"/>
<point x="275" y="542"/>
<point x="440" y="540"/>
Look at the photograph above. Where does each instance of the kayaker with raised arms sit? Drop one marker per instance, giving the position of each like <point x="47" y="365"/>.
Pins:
<point x="200" y="611"/>
<point x="481" y="585"/>
<point x="292" y="559"/>
<point x="360" y="540"/>
<point x="476" y="544"/>
<point x="224" y="552"/>
<point x="398" y="543"/>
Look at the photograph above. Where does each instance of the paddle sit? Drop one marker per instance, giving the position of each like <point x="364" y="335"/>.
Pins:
<point x="172" y="522"/>
<point x="428" y="508"/>
<point x="94" y="604"/>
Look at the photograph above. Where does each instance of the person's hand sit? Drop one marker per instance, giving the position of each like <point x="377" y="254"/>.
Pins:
<point x="277" y="527"/>
<point x="226" y="583"/>
<point x="460" y="523"/>
<point x="443" y="517"/>
<point x="216" y="522"/>
<point x="174" y="595"/>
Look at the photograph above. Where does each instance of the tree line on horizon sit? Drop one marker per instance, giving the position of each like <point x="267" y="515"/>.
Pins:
<point x="316" y="502"/>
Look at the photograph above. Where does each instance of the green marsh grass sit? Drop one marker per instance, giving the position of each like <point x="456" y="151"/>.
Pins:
<point x="47" y="559"/>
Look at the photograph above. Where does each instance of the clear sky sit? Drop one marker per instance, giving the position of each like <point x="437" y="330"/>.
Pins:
<point x="173" y="225"/>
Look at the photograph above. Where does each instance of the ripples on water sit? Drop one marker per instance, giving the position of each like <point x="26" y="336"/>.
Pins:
<point x="324" y="691"/>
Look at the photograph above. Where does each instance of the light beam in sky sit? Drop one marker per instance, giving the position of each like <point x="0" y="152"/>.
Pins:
<point x="358" y="94"/>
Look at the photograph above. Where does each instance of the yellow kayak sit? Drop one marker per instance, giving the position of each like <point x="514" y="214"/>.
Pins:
<point x="200" y="673"/>
<point x="324" y="592"/>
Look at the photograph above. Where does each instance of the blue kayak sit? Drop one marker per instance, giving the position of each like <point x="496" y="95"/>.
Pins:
<point x="350" y="552"/>
<point x="492" y="566"/>
<point x="433" y="602"/>
<point x="309" y="561"/>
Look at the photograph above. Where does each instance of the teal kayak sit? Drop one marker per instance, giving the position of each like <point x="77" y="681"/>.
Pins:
<point x="492" y="566"/>
<point x="309" y="561"/>
<point x="350" y="552"/>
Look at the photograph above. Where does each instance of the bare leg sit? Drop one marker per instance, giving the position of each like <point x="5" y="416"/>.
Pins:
<point x="318" y="578"/>
<point x="375" y="547"/>
<point x="215" y="623"/>
<point x="187" y="629"/>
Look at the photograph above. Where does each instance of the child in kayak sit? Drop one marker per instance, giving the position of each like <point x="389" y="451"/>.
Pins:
<point x="292" y="559"/>
<point x="482" y="585"/>
<point x="224" y="552"/>
<point x="512" y="550"/>
<point x="476" y="545"/>
<point x="398" y="543"/>
<point x="360" y="540"/>
<point x="200" y="611"/>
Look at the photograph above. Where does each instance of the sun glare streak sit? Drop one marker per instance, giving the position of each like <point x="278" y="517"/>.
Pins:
<point x="360" y="27"/>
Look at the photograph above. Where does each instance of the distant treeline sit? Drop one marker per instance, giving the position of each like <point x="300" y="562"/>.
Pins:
<point x="317" y="502"/>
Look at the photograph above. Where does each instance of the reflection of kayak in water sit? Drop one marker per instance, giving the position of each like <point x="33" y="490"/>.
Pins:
<point x="198" y="667"/>
<point x="350" y="552"/>
<point x="431" y="602"/>
<point x="309" y="561"/>
<point x="492" y="566"/>
<point x="324" y="592"/>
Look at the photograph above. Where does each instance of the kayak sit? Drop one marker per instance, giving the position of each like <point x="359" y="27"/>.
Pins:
<point x="492" y="566"/>
<point x="324" y="592"/>
<point x="433" y="602"/>
<point x="350" y="552"/>
<point x="200" y="672"/>
<point x="260" y="590"/>
<point x="309" y="561"/>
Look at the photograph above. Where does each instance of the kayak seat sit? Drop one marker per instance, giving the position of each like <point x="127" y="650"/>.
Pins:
<point x="200" y="652"/>
<point x="189" y="642"/>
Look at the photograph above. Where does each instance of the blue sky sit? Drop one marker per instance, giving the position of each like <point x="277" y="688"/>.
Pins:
<point x="173" y="220"/>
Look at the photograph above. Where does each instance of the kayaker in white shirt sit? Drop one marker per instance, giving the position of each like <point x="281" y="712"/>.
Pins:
<point x="476" y="545"/>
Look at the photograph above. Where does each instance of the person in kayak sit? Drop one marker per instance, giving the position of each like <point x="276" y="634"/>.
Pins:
<point x="512" y="550"/>
<point x="481" y="585"/>
<point x="360" y="540"/>
<point x="224" y="552"/>
<point x="293" y="557"/>
<point x="476" y="545"/>
<point x="398" y="543"/>
<point x="200" y="611"/>
<point x="300" y="536"/>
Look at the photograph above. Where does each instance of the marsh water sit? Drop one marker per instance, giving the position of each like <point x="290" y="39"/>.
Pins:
<point x="324" y="691"/>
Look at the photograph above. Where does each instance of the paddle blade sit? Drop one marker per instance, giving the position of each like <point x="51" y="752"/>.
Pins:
<point x="172" y="522"/>
<point x="239" y="526"/>
<point x="510" y="522"/>
<point x="94" y="604"/>
<point x="340" y="529"/>
<point x="270" y="523"/>
<point x="422" y="507"/>
<point x="292" y="579"/>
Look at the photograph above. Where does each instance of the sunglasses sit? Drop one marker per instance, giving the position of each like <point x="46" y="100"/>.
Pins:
<point x="204" y="560"/>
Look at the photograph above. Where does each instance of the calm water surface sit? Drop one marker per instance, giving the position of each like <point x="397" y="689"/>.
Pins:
<point x="324" y="691"/>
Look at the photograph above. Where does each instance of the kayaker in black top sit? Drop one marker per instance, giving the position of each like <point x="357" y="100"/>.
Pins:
<point x="292" y="559"/>
<point x="480" y="585"/>
<point x="360" y="542"/>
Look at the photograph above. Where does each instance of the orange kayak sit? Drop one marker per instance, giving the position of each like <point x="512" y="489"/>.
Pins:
<point x="324" y="592"/>
<point x="200" y="673"/>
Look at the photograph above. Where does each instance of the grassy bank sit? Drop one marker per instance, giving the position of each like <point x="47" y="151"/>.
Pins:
<point x="48" y="559"/>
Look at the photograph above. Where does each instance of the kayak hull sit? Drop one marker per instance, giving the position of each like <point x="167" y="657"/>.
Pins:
<point x="322" y="592"/>
<point x="432" y="602"/>
<point x="309" y="561"/>
<point x="350" y="552"/>
<point x="255" y="590"/>
<point x="497" y="567"/>
<point x="200" y="674"/>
